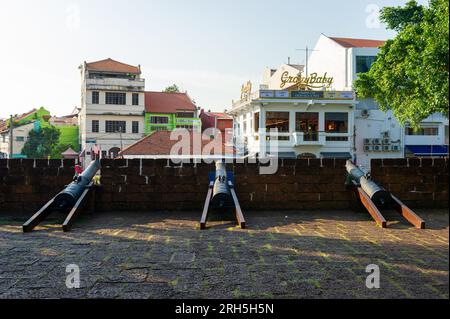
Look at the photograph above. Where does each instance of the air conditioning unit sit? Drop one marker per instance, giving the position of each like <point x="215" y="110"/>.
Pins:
<point x="365" y="113"/>
<point x="395" y="148"/>
<point x="386" y="148"/>
<point x="386" y="141"/>
<point x="377" y="148"/>
<point x="368" y="148"/>
<point x="367" y="141"/>
<point x="376" y="141"/>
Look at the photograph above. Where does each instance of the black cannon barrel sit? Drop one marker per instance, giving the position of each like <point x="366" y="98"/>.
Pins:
<point x="221" y="192"/>
<point x="69" y="196"/>
<point x="377" y="194"/>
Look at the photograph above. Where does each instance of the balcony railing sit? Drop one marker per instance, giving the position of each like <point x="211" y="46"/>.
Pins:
<point x="309" y="138"/>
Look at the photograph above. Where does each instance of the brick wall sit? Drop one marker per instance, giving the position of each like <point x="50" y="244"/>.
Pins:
<point x="25" y="185"/>
<point x="418" y="182"/>
<point x="153" y="184"/>
<point x="146" y="185"/>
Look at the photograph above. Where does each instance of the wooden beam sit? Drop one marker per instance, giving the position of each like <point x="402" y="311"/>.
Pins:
<point x="371" y="208"/>
<point x="239" y="215"/>
<point x="38" y="217"/>
<point x="408" y="214"/>
<point x="206" y="207"/>
<point x="75" y="211"/>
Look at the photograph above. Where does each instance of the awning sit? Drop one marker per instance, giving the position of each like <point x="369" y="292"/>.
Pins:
<point x="284" y="155"/>
<point x="343" y="155"/>
<point x="428" y="150"/>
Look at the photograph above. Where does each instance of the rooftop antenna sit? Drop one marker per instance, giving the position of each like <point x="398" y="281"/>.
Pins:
<point x="306" y="57"/>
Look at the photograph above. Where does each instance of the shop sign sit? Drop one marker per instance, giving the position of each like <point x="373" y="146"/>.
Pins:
<point x="266" y="94"/>
<point x="313" y="81"/>
<point x="307" y="94"/>
<point x="282" y="94"/>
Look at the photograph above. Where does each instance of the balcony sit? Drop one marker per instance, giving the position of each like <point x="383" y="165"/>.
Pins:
<point x="311" y="138"/>
<point x="116" y="84"/>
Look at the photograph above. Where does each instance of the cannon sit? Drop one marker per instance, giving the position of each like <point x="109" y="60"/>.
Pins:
<point x="72" y="199"/>
<point x="377" y="194"/>
<point x="373" y="196"/>
<point x="221" y="195"/>
<point x="69" y="196"/>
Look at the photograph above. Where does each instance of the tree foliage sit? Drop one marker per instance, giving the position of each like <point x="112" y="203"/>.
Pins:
<point x="40" y="143"/>
<point x="172" y="89"/>
<point x="410" y="75"/>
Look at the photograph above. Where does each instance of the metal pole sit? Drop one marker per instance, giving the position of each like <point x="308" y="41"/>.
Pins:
<point x="11" y="128"/>
<point x="306" y="61"/>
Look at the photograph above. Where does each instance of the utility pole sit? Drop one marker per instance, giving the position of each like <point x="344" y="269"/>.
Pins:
<point x="11" y="128"/>
<point x="306" y="58"/>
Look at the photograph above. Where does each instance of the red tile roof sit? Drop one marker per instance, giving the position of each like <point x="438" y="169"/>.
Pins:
<point x="110" y="65"/>
<point x="219" y="115"/>
<point x="5" y="124"/>
<point x="162" y="102"/>
<point x="159" y="143"/>
<point x="358" y="43"/>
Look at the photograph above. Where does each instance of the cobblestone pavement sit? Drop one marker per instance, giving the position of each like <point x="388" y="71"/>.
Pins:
<point x="281" y="255"/>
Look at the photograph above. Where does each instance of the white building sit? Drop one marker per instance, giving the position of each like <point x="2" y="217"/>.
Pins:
<point x="20" y="136"/>
<point x="377" y="134"/>
<point x="112" y="107"/>
<point x="312" y="119"/>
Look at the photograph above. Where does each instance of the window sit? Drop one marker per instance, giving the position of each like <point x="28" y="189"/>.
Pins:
<point x="185" y="114"/>
<point x="135" y="127"/>
<point x="115" y="98"/>
<point x="256" y="121"/>
<point x="429" y="131"/>
<point x="277" y="120"/>
<point x="135" y="99"/>
<point x="159" y="120"/>
<point x="20" y="138"/>
<point x="95" y="126"/>
<point x="116" y="126"/>
<point x="336" y="122"/>
<point x="364" y="63"/>
<point x="95" y="97"/>
<point x="158" y="128"/>
<point x="189" y="127"/>
<point x="308" y="123"/>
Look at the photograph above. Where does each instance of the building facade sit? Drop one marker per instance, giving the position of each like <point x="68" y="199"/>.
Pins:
<point x="311" y="119"/>
<point x="378" y="134"/>
<point x="221" y="121"/>
<point x="112" y="108"/>
<point x="167" y="111"/>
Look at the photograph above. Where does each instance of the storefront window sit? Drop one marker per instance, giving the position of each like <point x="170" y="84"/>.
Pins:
<point x="277" y="120"/>
<point x="336" y="122"/>
<point x="308" y="123"/>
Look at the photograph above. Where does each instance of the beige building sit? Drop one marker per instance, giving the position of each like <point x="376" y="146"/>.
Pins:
<point x="112" y="107"/>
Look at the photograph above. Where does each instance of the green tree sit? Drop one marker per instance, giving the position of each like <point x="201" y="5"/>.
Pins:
<point x="410" y="75"/>
<point x="172" y="89"/>
<point x="41" y="143"/>
<point x="58" y="149"/>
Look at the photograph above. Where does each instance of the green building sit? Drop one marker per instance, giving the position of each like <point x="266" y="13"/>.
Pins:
<point x="168" y="111"/>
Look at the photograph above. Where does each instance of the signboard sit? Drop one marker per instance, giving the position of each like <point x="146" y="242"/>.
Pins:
<point x="282" y="94"/>
<point x="91" y="141"/>
<point x="335" y="95"/>
<point x="266" y="94"/>
<point x="307" y="94"/>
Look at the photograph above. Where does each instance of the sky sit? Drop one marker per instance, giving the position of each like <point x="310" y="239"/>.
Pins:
<point x="209" y="48"/>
